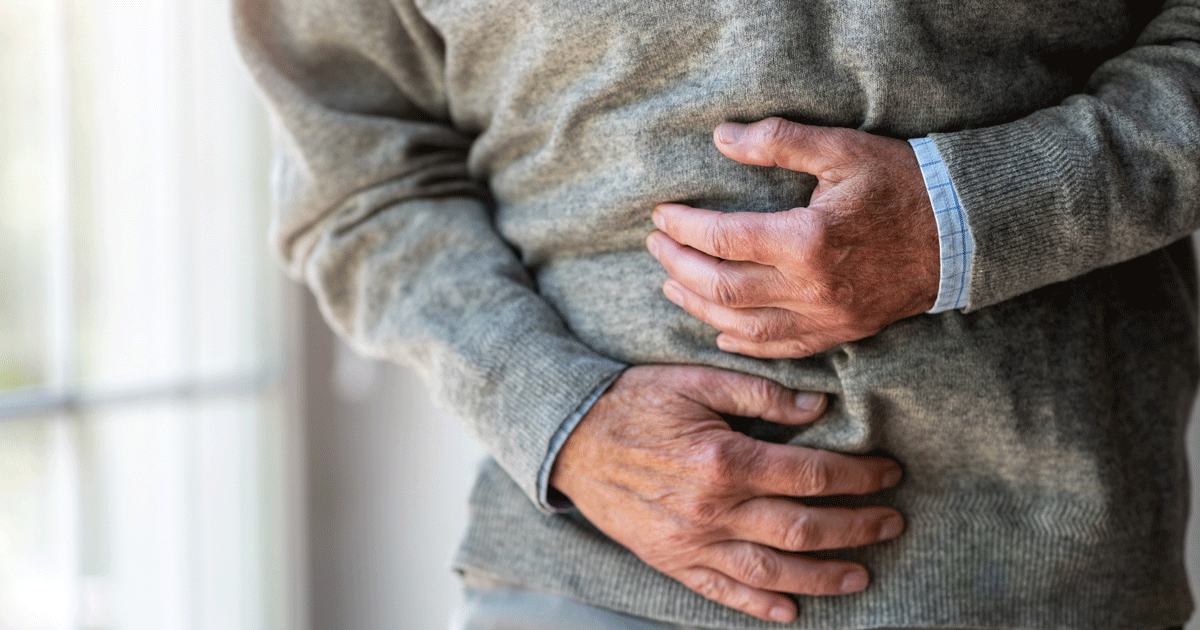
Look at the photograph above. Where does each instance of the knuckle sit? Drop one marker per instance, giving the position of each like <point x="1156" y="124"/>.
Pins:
<point x="708" y="584"/>
<point x="758" y="567"/>
<point x="815" y="477"/>
<point x="704" y="379"/>
<point x="826" y="581"/>
<point x="722" y="465"/>
<point x="802" y="535"/>
<point x="715" y="463"/>
<point x="811" y="226"/>
<point x="842" y="293"/>
<point x="671" y="545"/>
<point x="757" y="330"/>
<point x="726" y="292"/>
<point x="842" y="319"/>
<point x="702" y="513"/>
<point x="857" y="530"/>
<point x="827" y="293"/>
<point x="764" y="391"/>
<point x="775" y="129"/>
<point x="726" y="238"/>
<point x="797" y="350"/>
<point x="817" y="243"/>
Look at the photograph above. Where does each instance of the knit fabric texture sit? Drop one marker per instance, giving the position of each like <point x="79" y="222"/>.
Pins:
<point x="466" y="186"/>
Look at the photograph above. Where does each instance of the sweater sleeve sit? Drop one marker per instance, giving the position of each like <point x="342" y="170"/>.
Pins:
<point x="377" y="213"/>
<point x="1105" y="176"/>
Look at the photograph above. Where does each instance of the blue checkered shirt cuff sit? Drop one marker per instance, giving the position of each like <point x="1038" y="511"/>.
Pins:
<point x="954" y="235"/>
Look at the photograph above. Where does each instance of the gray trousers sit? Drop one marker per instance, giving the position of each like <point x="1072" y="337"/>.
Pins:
<point x="490" y="605"/>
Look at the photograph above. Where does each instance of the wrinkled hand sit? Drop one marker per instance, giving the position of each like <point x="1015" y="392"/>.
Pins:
<point x="654" y="466"/>
<point x="863" y="254"/>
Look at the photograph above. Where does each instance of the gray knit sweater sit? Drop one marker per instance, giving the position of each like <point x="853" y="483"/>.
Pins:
<point x="466" y="186"/>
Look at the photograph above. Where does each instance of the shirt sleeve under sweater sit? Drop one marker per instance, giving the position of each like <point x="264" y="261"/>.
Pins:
<point x="377" y="214"/>
<point x="1107" y="175"/>
<point x="956" y="244"/>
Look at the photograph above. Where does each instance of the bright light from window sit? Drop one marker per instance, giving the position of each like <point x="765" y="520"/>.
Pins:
<point x="140" y="411"/>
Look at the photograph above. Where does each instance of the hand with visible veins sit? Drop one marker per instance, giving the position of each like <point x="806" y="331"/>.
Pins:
<point x="655" y="467"/>
<point x="863" y="253"/>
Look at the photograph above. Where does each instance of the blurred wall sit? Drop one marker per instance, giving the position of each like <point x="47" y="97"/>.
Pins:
<point x="388" y="476"/>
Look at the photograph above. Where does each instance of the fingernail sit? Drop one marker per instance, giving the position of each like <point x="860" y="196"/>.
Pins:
<point x="652" y="244"/>
<point x="657" y="218"/>
<point x="730" y="133"/>
<point x="807" y="401"/>
<point x="854" y="581"/>
<point x="672" y="292"/>
<point x="780" y="614"/>
<point x="892" y="477"/>
<point x="891" y="527"/>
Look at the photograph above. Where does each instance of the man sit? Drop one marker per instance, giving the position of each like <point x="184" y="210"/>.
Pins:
<point x="524" y="199"/>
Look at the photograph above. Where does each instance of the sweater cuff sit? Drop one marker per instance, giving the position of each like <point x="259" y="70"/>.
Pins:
<point x="550" y="500"/>
<point x="954" y="234"/>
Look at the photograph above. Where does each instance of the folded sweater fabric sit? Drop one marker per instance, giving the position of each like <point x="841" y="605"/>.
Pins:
<point x="466" y="185"/>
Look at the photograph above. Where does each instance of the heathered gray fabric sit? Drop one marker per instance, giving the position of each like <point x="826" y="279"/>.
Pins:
<point x="466" y="185"/>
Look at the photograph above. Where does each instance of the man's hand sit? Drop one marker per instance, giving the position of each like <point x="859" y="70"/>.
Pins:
<point x="654" y="466"/>
<point x="863" y="254"/>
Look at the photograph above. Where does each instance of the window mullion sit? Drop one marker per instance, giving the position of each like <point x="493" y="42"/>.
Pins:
<point x="62" y="318"/>
<point x="60" y="263"/>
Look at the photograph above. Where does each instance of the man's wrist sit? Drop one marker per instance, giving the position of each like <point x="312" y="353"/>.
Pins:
<point x="955" y="241"/>
<point x="549" y="499"/>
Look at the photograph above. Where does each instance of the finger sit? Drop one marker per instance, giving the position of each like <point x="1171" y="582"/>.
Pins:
<point x="726" y="591"/>
<point x="759" y="567"/>
<point x="779" y="142"/>
<point x="758" y="325"/>
<point x="797" y="348"/>
<point x="787" y="525"/>
<point x="795" y="471"/>
<point x="730" y="283"/>
<point x="748" y="396"/>
<point x="751" y="236"/>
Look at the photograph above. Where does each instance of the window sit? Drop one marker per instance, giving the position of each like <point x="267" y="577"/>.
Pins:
<point x="145" y="455"/>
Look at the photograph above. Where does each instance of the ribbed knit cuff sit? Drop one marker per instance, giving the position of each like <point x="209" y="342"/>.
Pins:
<point x="550" y="500"/>
<point x="548" y="381"/>
<point x="1021" y="187"/>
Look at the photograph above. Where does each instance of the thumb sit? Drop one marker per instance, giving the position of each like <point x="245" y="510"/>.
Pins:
<point x="779" y="142"/>
<point x="754" y="397"/>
